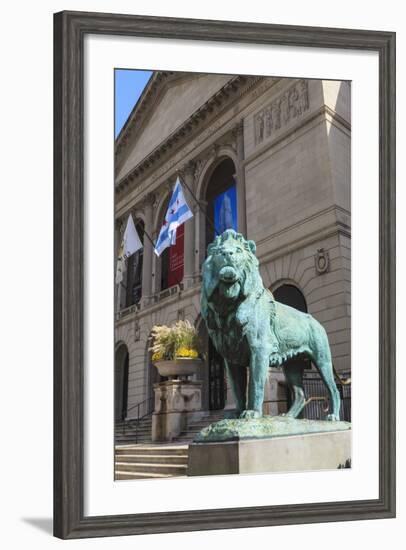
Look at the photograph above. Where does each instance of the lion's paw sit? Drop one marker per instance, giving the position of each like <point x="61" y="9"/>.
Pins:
<point x="250" y="414"/>
<point x="333" y="418"/>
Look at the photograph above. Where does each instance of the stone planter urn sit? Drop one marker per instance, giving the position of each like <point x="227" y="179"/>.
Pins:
<point x="180" y="367"/>
<point x="178" y="400"/>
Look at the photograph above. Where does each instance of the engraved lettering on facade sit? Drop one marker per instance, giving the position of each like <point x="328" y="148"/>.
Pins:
<point x="288" y="106"/>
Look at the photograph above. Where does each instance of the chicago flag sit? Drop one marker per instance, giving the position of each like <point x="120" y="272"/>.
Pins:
<point x="178" y="212"/>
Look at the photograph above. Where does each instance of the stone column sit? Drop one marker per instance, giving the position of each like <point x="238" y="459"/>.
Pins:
<point x="148" y="251"/>
<point x="121" y="288"/>
<point x="156" y="268"/>
<point x="117" y="237"/>
<point x="241" y="200"/>
<point x="200" y="234"/>
<point x="187" y="175"/>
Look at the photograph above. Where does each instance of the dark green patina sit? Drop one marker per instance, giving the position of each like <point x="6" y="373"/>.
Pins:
<point x="265" y="427"/>
<point x="249" y="328"/>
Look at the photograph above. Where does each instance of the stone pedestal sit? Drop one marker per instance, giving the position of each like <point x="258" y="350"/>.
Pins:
<point x="270" y="444"/>
<point x="177" y="403"/>
<point x="296" y="453"/>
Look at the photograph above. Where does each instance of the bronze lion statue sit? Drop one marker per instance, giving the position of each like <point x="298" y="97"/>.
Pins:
<point x="249" y="328"/>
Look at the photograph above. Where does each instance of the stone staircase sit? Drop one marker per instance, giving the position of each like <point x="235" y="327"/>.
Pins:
<point x="129" y="432"/>
<point x="194" y="427"/>
<point x="150" y="461"/>
<point x="147" y="460"/>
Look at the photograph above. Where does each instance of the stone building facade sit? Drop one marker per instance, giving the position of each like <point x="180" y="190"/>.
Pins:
<point x="284" y="144"/>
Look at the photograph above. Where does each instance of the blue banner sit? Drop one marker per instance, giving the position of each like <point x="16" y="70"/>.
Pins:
<point x="225" y="210"/>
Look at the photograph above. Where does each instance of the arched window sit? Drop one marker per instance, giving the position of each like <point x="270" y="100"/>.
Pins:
<point x="134" y="271"/>
<point x="221" y="197"/>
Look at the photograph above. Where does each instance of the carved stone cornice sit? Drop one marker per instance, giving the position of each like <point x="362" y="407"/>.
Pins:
<point x="202" y="117"/>
<point x="289" y="105"/>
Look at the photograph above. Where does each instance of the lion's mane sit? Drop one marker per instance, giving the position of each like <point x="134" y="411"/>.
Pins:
<point x="250" y="283"/>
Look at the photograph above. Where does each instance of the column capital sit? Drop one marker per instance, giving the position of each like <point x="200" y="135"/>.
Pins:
<point x="188" y="170"/>
<point x="238" y="129"/>
<point x="214" y="150"/>
<point x="148" y="201"/>
<point x="119" y="224"/>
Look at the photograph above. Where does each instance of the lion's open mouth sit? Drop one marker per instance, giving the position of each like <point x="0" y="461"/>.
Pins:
<point x="228" y="274"/>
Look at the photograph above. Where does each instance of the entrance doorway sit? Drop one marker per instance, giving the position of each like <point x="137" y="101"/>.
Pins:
<point x="121" y="382"/>
<point x="291" y="296"/>
<point x="217" y="386"/>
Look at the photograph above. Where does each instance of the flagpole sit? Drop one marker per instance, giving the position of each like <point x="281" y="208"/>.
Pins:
<point x="201" y="208"/>
<point x="178" y="282"/>
<point x="149" y="238"/>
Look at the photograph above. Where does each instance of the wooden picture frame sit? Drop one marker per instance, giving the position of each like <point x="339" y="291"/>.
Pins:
<point x="70" y="29"/>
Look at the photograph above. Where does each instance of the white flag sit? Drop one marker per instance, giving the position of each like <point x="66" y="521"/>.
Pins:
<point x="129" y="245"/>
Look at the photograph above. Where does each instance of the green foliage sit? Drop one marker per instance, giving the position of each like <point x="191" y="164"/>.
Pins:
<point x="179" y="340"/>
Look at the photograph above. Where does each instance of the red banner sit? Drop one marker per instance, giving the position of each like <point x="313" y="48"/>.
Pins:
<point x="176" y="258"/>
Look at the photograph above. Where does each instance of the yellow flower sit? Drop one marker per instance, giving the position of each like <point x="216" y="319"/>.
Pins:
<point x="157" y="356"/>
<point x="187" y="352"/>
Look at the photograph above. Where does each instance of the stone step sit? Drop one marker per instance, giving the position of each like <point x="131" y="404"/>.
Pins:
<point x="132" y="441"/>
<point x="155" y="458"/>
<point x="145" y="431"/>
<point x="133" y="425"/>
<point x="128" y="427"/>
<point x="142" y="449"/>
<point x="147" y="467"/>
<point x="139" y="475"/>
<point x="129" y="433"/>
<point x="143" y="421"/>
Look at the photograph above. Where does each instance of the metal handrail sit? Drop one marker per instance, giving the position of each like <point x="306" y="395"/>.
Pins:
<point x="138" y="405"/>
<point x="340" y="381"/>
<point x="135" y="422"/>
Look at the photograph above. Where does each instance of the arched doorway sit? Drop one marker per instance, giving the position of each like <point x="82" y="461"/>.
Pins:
<point x="152" y="374"/>
<point x="221" y="214"/>
<point x="121" y="364"/>
<point x="134" y="271"/>
<point x="221" y="198"/>
<point x="214" y="384"/>
<point x="292" y="296"/>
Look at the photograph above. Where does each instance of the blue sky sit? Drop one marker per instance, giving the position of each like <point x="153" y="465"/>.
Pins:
<point x="129" y="85"/>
